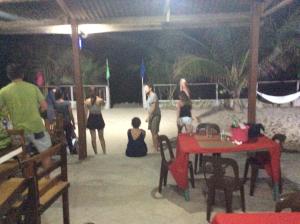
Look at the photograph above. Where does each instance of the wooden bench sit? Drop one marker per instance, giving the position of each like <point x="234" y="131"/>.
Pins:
<point x="12" y="188"/>
<point x="15" y="191"/>
<point x="47" y="190"/>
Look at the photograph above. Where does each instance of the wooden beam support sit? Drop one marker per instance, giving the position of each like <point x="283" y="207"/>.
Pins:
<point x="256" y="9"/>
<point x="65" y="9"/>
<point x="280" y="5"/>
<point x="9" y="16"/>
<point x="267" y="3"/>
<point x="124" y="24"/>
<point x="79" y="92"/>
<point x="30" y="23"/>
<point x="18" y="1"/>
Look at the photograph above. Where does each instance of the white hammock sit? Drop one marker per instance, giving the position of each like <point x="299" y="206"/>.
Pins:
<point x="280" y="99"/>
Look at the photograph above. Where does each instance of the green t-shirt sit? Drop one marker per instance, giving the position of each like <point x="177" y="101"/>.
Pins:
<point x="22" y="101"/>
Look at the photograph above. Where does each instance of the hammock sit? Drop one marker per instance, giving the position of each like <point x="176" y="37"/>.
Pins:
<point x="280" y="99"/>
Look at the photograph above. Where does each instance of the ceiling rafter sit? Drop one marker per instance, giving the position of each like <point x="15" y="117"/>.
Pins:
<point x="267" y="4"/>
<point x="135" y="23"/>
<point x="275" y="8"/>
<point x="62" y="4"/>
<point x="18" y="1"/>
<point x="9" y="16"/>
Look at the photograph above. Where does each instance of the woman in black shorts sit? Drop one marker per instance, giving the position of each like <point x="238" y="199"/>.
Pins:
<point x="94" y="119"/>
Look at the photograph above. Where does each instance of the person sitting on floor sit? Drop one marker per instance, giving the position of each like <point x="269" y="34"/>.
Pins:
<point x="136" y="146"/>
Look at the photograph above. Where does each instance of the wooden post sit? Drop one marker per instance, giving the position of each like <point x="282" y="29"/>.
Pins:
<point x="254" y="45"/>
<point x="79" y="92"/>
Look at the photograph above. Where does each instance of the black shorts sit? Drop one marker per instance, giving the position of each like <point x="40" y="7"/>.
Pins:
<point x="95" y="121"/>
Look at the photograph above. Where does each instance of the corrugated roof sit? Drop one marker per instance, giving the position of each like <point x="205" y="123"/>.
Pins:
<point x="144" y="12"/>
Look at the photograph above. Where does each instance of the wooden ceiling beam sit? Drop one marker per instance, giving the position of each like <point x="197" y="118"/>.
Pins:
<point x="133" y="23"/>
<point x="277" y="7"/>
<point x="266" y="4"/>
<point x="18" y="1"/>
<point x="62" y="4"/>
<point x="9" y="16"/>
<point x="204" y="17"/>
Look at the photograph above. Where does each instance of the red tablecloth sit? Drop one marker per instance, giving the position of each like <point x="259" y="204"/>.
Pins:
<point x="257" y="218"/>
<point x="188" y="144"/>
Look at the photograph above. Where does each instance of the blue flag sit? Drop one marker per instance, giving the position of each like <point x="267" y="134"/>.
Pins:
<point x="142" y="70"/>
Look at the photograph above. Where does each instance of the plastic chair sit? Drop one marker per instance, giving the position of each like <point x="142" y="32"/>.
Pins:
<point x="165" y="145"/>
<point x="204" y="129"/>
<point x="258" y="161"/>
<point x="220" y="181"/>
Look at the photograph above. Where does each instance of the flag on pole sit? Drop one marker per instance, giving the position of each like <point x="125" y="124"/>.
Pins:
<point x="143" y="76"/>
<point x="107" y="70"/>
<point x="142" y="70"/>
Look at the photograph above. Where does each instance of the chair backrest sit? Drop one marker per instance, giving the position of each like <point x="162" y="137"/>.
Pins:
<point x="290" y="201"/>
<point x="17" y="136"/>
<point x="165" y="145"/>
<point x="220" y="167"/>
<point x="279" y="138"/>
<point x="43" y="183"/>
<point x="207" y="128"/>
<point x="57" y="130"/>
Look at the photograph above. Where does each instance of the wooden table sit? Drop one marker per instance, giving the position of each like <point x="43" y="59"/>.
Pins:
<point x="257" y="218"/>
<point x="8" y="166"/>
<point x="187" y="144"/>
<point x="10" y="152"/>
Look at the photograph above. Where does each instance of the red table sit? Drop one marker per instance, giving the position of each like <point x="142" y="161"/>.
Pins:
<point x="257" y="218"/>
<point x="187" y="144"/>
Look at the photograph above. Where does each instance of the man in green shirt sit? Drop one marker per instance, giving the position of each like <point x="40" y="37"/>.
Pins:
<point x="24" y="101"/>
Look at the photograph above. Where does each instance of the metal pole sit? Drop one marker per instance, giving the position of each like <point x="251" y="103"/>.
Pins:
<point x="79" y="92"/>
<point x="144" y="94"/>
<point x="107" y="93"/>
<point x="217" y="94"/>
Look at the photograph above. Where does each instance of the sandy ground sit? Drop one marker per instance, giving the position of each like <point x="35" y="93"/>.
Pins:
<point x="118" y="121"/>
<point x="115" y="189"/>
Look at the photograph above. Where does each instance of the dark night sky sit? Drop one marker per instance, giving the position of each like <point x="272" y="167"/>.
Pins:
<point x="112" y="46"/>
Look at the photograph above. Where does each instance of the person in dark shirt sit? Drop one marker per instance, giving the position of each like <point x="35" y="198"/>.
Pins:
<point x="64" y="107"/>
<point x="50" y="98"/>
<point x="136" y="146"/>
<point x="184" y="114"/>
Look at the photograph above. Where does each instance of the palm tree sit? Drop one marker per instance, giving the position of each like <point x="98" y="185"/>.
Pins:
<point x="223" y="58"/>
<point x="281" y="41"/>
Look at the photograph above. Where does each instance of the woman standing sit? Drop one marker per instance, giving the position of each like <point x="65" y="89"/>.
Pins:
<point x="95" y="119"/>
<point x="183" y="86"/>
<point x="184" y="114"/>
<point x="154" y="114"/>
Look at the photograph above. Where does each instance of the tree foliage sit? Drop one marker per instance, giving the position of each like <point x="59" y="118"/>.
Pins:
<point x="223" y="58"/>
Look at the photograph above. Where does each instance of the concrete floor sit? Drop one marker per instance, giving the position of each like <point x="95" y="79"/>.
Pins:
<point x="115" y="189"/>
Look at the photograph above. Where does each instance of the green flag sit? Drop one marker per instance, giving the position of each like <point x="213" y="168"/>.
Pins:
<point x="107" y="71"/>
